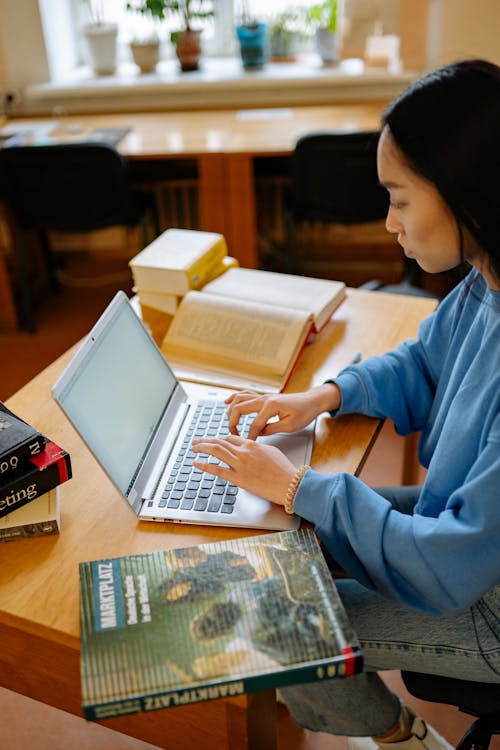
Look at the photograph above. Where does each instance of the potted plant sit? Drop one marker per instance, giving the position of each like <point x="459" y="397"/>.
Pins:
<point x="325" y="17"/>
<point x="100" y="36"/>
<point x="145" y="46"/>
<point x="284" y="33"/>
<point x="187" y="39"/>
<point x="252" y="36"/>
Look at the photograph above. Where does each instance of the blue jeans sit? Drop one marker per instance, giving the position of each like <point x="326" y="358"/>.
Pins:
<point x="465" y="646"/>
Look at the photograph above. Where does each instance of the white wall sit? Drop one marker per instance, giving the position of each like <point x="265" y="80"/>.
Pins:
<point x="470" y="29"/>
<point x="22" y="43"/>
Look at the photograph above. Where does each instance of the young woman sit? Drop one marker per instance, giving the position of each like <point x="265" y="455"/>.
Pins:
<point x="424" y="562"/>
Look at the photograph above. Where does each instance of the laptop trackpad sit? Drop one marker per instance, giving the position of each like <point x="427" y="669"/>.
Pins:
<point x="295" y="445"/>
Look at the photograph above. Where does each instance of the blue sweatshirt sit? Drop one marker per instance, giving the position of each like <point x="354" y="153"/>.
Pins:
<point x="446" y="385"/>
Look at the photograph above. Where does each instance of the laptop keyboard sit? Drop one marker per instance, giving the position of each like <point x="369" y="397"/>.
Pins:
<point x="188" y="488"/>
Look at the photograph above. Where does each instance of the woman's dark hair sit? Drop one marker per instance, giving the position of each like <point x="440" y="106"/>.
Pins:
<point x="447" y="125"/>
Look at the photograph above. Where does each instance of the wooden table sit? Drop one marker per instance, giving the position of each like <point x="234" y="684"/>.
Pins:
<point x="224" y="144"/>
<point x="39" y="606"/>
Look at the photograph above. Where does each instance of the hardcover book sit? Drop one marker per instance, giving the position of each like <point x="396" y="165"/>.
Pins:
<point x="165" y="303"/>
<point x="50" y="468"/>
<point x="318" y="297"/>
<point x="168" y="628"/>
<point x="18" y="442"/>
<point x="40" y="517"/>
<point x="178" y="260"/>
<point x="247" y="328"/>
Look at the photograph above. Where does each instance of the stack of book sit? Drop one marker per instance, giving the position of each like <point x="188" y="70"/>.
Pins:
<point x="178" y="261"/>
<point x="32" y="467"/>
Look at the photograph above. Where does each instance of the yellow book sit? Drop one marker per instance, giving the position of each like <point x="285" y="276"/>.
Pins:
<point x="178" y="260"/>
<point x="226" y="263"/>
<point x="169" y="303"/>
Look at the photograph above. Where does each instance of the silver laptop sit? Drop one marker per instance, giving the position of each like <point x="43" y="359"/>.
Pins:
<point x="137" y="419"/>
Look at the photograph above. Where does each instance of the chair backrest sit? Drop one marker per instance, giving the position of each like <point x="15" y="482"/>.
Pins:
<point x="66" y="187"/>
<point x="334" y="178"/>
<point x="475" y="698"/>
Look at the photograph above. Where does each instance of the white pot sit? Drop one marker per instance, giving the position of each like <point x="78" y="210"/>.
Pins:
<point x="101" y="45"/>
<point x="146" y="55"/>
<point x="328" y="45"/>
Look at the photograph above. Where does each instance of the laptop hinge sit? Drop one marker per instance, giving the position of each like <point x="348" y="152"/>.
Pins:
<point x="163" y="445"/>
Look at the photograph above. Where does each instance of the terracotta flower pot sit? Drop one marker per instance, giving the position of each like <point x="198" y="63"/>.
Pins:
<point x="283" y="44"/>
<point x="188" y="49"/>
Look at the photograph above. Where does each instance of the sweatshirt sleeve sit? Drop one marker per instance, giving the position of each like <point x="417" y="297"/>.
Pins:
<point x="437" y="564"/>
<point x="401" y="384"/>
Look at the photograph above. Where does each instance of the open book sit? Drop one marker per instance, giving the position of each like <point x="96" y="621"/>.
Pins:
<point x="163" y="629"/>
<point x="319" y="297"/>
<point x="247" y="330"/>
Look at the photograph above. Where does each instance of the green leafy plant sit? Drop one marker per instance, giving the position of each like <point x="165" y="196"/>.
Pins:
<point x="245" y="17"/>
<point x="152" y="13"/>
<point x="187" y="11"/>
<point x="325" y="14"/>
<point x="95" y="10"/>
<point x="292" y="19"/>
<point x="154" y="9"/>
<point x="285" y="30"/>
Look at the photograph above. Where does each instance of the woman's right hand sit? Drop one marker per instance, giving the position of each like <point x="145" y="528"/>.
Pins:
<point x="283" y="412"/>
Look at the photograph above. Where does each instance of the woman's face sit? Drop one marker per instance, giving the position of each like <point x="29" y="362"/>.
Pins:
<point x="426" y="228"/>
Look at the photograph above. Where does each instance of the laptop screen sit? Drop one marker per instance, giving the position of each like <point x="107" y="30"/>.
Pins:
<point x="118" y="391"/>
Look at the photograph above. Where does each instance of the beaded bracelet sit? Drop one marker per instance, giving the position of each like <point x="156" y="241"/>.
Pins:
<point x="292" y="489"/>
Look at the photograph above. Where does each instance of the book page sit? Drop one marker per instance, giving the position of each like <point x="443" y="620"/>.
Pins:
<point x="235" y="334"/>
<point x="319" y="297"/>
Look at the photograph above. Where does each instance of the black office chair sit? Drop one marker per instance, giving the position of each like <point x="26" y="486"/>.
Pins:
<point x="77" y="187"/>
<point x="475" y="698"/>
<point x="335" y="181"/>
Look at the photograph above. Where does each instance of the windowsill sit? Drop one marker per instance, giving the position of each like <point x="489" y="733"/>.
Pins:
<point x="221" y="82"/>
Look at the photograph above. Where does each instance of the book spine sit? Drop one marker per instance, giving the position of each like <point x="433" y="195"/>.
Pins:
<point x="202" y="269"/>
<point x="292" y="676"/>
<point x="12" y="460"/>
<point x="29" y="530"/>
<point x="23" y="489"/>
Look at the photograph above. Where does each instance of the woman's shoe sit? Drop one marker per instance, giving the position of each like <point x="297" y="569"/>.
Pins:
<point x="422" y="737"/>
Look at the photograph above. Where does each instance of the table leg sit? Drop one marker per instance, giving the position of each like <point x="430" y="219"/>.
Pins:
<point x="227" y="203"/>
<point x="212" y="192"/>
<point x="254" y="726"/>
<point x="8" y="318"/>
<point x="242" y="211"/>
<point x="262" y="721"/>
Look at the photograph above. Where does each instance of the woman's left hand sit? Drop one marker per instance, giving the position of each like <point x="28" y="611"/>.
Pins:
<point x="256" y="467"/>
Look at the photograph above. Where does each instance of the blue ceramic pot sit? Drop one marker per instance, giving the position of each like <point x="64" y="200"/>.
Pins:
<point x="252" y="39"/>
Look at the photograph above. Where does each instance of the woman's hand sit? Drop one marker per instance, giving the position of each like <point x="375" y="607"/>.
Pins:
<point x="256" y="467"/>
<point x="288" y="411"/>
